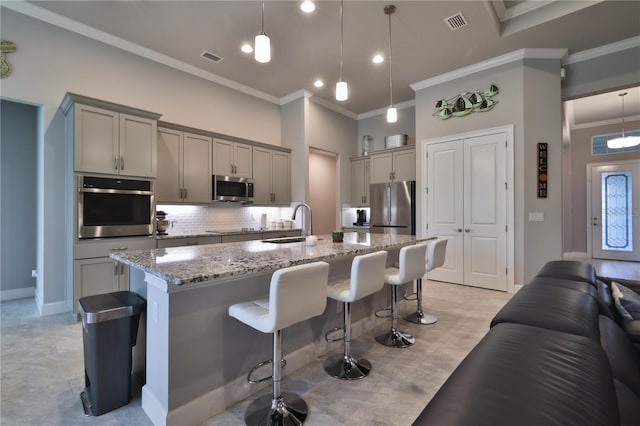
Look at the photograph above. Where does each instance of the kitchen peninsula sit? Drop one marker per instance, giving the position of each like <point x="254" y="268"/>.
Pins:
<point x="197" y="357"/>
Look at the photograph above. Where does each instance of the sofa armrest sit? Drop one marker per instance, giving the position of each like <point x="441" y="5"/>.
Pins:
<point x="632" y="328"/>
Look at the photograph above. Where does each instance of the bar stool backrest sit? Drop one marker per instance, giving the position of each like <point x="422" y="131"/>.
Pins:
<point x="412" y="265"/>
<point x="296" y="294"/>
<point x="437" y="253"/>
<point x="367" y="274"/>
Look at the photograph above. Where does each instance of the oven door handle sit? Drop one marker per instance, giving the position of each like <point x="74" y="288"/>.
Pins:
<point x="114" y="191"/>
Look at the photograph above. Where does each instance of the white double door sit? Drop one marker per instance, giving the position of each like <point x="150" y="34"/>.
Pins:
<point x="467" y="204"/>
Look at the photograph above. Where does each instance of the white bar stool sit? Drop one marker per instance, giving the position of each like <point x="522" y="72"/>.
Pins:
<point x="436" y="254"/>
<point x="367" y="277"/>
<point x="412" y="267"/>
<point x="296" y="294"/>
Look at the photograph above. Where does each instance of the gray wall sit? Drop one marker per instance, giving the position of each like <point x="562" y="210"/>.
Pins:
<point x="18" y="156"/>
<point x="378" y="128"/>
<point x="529" y="99"/>
<point x="575" y="231"/>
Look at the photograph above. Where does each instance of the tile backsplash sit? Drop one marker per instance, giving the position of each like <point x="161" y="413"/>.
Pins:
<point x="196" y="219"/>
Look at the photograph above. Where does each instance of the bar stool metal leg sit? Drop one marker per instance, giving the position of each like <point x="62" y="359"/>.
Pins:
<point x="419" y="317"/>
<point x="345" y="366"/>
<point x="395" y="338"/>
<point x="280" y="408"/>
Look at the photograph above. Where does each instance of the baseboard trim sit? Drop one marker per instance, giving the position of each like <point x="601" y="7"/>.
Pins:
<point x="220" y="399"/>
<point x="575" y="255"/>
<point x="17" y="293"/>
<point x="52" y="308"/>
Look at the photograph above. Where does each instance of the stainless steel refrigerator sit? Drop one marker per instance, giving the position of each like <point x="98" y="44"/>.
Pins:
<point x="393" y="209"/>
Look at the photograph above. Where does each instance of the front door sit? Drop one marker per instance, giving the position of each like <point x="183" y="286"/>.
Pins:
<point x="615" y="211"/>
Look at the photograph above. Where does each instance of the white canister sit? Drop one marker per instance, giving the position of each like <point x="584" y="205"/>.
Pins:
<point x="288" y="224"/>
<point x="280" y="224"/>
<point x="272" y="224"/>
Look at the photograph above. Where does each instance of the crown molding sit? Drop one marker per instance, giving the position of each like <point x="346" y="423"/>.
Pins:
<point x="298" y="94"/>
<point x="605" y="122"/>
<point x="383" y="111"/>
<point x="337" y="108"/>
<point x="507" y="58"/>
<point x="49" y="17"/>
<point x="607" y="49"/>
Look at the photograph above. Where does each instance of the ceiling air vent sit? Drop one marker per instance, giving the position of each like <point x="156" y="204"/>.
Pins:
<point x="211" y="56"/>
<point x="456" y="21"/>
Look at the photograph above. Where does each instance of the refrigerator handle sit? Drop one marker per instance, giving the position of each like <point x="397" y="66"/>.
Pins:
<point x="388" y="204"/>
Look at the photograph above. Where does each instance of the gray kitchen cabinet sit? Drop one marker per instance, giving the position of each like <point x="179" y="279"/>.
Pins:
<point x="360" y="182"/>
<point x="184" y="167"/>
<point x="113" y="143"/>
<point x="397" y="165"/>
<point x="187" y="241"/>
<point x="94" y="272"/>
<point x="272" y="176"/>
<point x="232" y="159"/>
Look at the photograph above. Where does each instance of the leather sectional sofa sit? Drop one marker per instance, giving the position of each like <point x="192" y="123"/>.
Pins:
<point x="558" y="353"/>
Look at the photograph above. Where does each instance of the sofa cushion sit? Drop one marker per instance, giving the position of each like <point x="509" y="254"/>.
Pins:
<point x="626" y="300"/>
<point x="600" y="292"/>
<point x="623" y="357"/>
<point x="569" y="270"/>
<point x="524" y="375"/>
<point x="628" y="405"/>
<point x="554" y="308"/>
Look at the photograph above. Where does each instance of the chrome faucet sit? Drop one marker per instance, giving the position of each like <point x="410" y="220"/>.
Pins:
<point x="295" y="210"/>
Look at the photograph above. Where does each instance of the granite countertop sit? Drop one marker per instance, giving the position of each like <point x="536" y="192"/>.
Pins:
<point x="206" y="233"/>
<point x="193" y="264"/>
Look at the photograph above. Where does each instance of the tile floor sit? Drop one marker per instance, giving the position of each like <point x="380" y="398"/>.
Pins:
<point x="42" y="367"/>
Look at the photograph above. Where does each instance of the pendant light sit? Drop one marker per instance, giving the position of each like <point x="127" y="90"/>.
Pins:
<point x="623" y="141"/>
<point x="392" y="112"/>
<point x="262" y="44"/>
<point x="342" y="89"/>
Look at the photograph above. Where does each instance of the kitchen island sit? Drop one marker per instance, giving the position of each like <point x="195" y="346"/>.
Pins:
<point x="197" y="357"/>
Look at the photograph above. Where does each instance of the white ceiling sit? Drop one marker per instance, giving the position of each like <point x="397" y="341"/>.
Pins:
<point x="306" y="47"/>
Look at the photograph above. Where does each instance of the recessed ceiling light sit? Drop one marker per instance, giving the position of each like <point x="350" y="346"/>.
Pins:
<point x="318" y="83"/>
<point x="378" y="59"/>
<point x="246" y="48"/>
<point x="308" y="6"/>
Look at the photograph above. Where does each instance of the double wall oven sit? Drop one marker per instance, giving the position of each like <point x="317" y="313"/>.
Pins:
<point x="114" y="207"/>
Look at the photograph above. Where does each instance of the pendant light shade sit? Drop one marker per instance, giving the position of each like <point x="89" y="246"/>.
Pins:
<point x="342" y="89"/>
<point x="392" y="112"/>
<point x="623" y="141"/>
<point x="262" y="48"/>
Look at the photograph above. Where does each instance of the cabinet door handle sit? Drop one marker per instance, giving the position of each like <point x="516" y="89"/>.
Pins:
<point x="467" y="230"/>
<point x="115" y="162"/>
<point x="457" y="229"/>
<point x="115" y="267"/>
<point x="186" y="193"/>
<point x="121" y="163"/>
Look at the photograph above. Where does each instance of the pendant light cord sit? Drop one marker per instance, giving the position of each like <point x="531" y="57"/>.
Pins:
<point x="341" y="35"/>
<point x="262" y="32"/>
<point x="622" y="95"/>
<point x="390" y="81"/>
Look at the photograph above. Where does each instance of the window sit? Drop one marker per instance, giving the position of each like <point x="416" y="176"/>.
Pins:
<point x="599" y="143"/>
<point x="616" y="211"/>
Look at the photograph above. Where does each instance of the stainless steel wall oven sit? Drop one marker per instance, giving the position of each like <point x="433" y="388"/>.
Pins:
<point x="114" y="207"/>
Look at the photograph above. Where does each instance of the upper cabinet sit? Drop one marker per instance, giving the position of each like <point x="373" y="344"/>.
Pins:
<point x="397" y="165"/>
<point x="111" y="139"/>
<point x="232" y="159"/>
<point x="360" y="182"/>
<point x="184" y="167"/>
<point x="272" y="176"/>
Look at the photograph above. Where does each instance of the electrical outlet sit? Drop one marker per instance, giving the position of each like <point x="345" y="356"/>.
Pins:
<point x="536" y="217"/>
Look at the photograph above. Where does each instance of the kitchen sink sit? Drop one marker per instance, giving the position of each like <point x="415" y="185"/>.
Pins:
<point x="284" y="240"/>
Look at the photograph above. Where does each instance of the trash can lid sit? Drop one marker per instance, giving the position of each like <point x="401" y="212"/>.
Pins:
<point x="110" y="306"/>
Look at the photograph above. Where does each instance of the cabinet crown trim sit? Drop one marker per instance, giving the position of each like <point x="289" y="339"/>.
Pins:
<point x="71" y="98"/>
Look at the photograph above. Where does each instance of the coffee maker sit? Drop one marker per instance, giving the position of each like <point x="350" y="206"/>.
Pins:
<point x="362" y="217"/>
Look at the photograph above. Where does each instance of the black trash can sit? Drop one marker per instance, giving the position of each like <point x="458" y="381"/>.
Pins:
<point x="109" y="330"/>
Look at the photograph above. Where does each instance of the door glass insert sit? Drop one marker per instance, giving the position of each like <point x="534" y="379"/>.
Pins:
<point x="616" y="211"/>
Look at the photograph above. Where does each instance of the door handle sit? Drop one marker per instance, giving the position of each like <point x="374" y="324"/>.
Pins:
<point x="467" y="230"/>
<point x="457" y="229"/>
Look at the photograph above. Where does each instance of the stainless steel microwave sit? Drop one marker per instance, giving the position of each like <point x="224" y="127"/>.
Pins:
<point x="232" y="189"/>
<point x="114" y="207"/>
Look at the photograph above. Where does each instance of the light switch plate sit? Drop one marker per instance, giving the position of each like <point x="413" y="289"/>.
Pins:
<point x="536" y="217"/>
